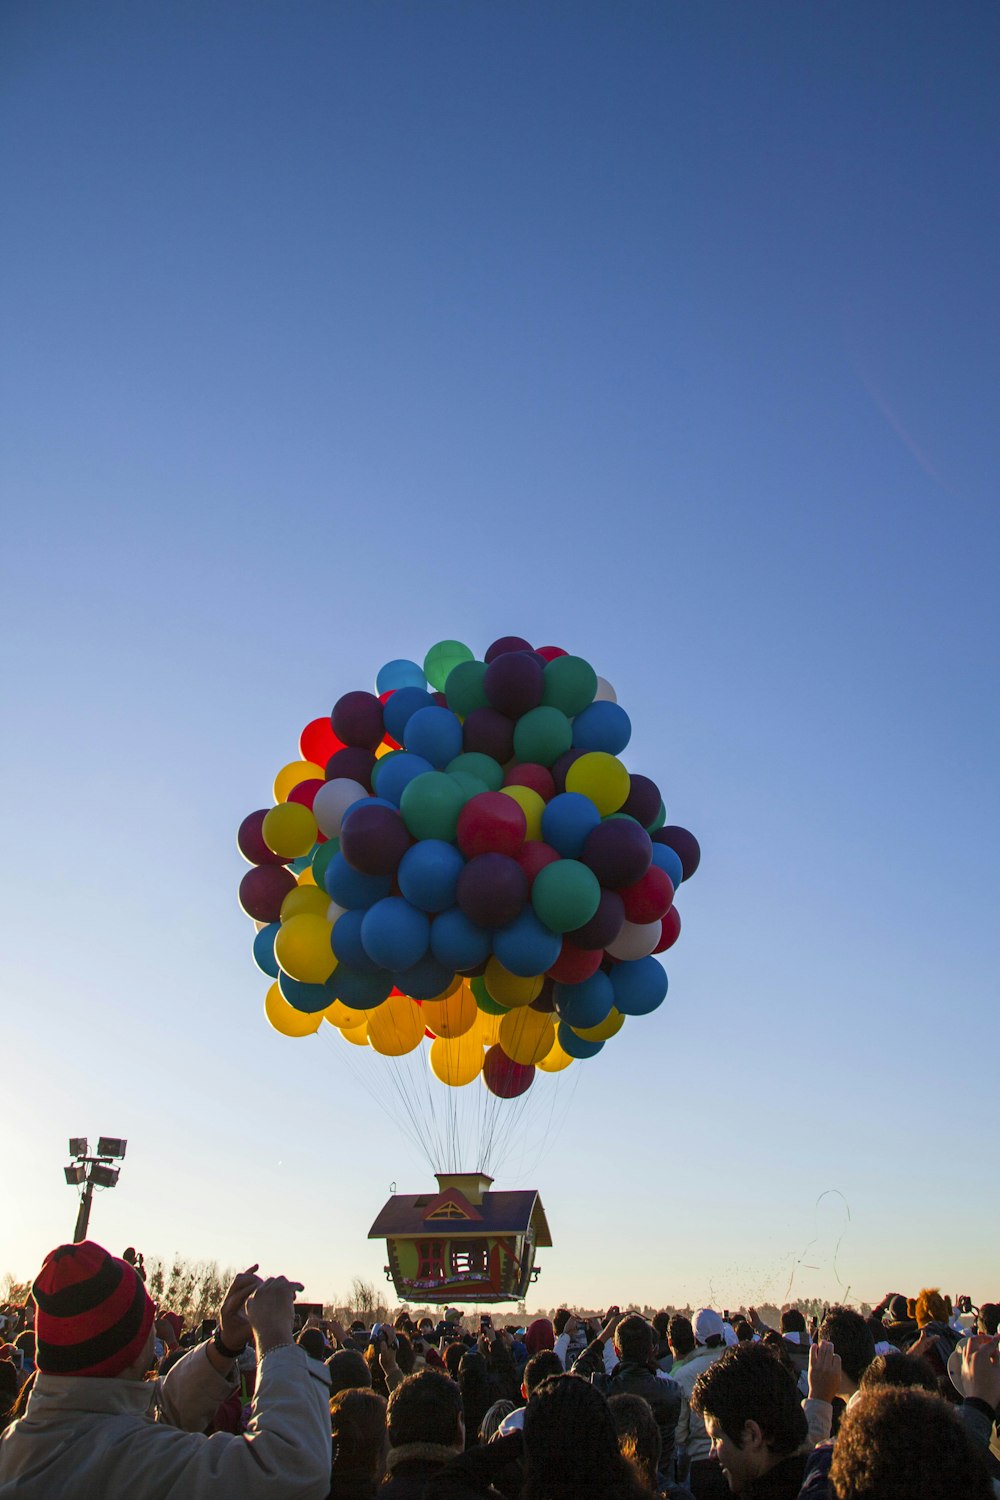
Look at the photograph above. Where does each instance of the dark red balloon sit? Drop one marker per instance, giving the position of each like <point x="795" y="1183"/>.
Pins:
<point x="250" y="841"/>
<point x="504" y="644"/>
<point x="441" y="699"/>
<point x="357" y="720"/>
<point x="546" y="1001"/>
<point x="534" y="857"/>
<point x="643" y="800"/>
<point x="551" y="652"/>
<point x="353" y="764"/>
<point x="374" y="840"/>
<point x="263" y="889"/>
<point x="604" y="926"/>
<point x="492" y="889"/>
<point x="562" y="765"/>
<point x="491" y="823"/>
<point x="536" y="778"/>
<point x="489" y="732"/>
<point x="684" y="845"/>
<point x="671" y="931"/>
<point x="650" y="898"/>
<point x="513" y="683"/>
<point x="305" y="792"/>
<point x="574" y="964"/>
<point x="504" y="1077"/>
<point x="317" y="742"/>
<point x="618" y="851"/>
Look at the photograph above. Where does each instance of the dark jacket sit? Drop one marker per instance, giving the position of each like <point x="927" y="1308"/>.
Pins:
<point x="783" y="1482"/>
<point x="411" y="1469"/>
<point x="630" y="1379"/>
<point x="487" y="1472"/>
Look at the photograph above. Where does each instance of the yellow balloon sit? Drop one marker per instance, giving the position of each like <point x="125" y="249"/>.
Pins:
<point x="382" y="749"/>
<point x="358" y="1035"/>
<point x="556" y="1060"/>
<point x="510" y="989"/>
<point x="340" y="1015"/>
<point x="531" y="804"/>
<point x="602" y="778"/>
<point x="306" y="876"/>
<point x="296" y="771"/>
<point x="286" y="1019"/>
<point x="306" y="900"/>
<point x="302" y="948"/>
<point x="610" y="1026"/>
<point x="488" y="1028"/>
<point x="289" y="830"/>
<point x="457" y="1060"/>
<point x="453" y="1016"/>
<point x="527" y="1035"/>
<point x="395" y="1027"/>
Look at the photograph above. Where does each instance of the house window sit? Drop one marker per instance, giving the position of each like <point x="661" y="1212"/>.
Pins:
<point x="430" y="1255"/>
<point x="448" y="1211"/>
<point x="469" y="1258"/>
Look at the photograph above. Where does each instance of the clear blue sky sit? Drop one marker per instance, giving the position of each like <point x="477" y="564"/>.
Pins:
<point x="665" y="332"/>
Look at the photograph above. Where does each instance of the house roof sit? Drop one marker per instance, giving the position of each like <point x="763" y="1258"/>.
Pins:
<point x="499" y="1213"/>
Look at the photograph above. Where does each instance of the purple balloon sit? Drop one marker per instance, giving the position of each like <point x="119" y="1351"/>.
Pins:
<point x="354" y="764"/>
<point x="491" y="890"/>
<point x="546" y="1000"/>
<point x="618" y="851"/>
<point x="561" y="766"/>
<point x="506" y="643"/>
<point x="489" y="732"/>
<point x="357" y="720"/>
<point x="604" y="926"/>
<point x="513" y="684"/>
<point x="684" y="845"/>
<point x="643" y="800"/>
<point x="374" y="840"/>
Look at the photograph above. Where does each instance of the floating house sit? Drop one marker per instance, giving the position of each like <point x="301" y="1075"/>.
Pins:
<point x="462" y="1243"/>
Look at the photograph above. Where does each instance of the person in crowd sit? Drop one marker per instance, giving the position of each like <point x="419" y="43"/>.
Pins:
<point x="348" y="1371"/>
<point x="313" y="1342"/>
<point x="988" y="1321"/>
<point x="664" y="1357"/>
<point x="936" y="1338"/>
<point x="743" y="1331"/>
<point x="357" y="1420"/>
<point x="695" y="1465"/>
<point x="539" y="1335"/>
<point x="639" y="1444"/>
<point x="540" y="1367"/>
<point x="570" y="1337"/>
<point x="425" y="1426"/>
<point x="682" y="1342"/>
<point x="493" y="1419"/>
<point x="381" y="1358"/>
<point x="571" y="1445"/>
<point x="754" y="1419"/>
<point x="891" y="1323"/>
<point x="478" y="1391"/>
<point x="94" y="1426"/>
<point x="8" y="1390"/>
<point x="453" y="1355"/>
<point x="899" y="1443"/>
<point x="900" y="1370"/>
<point x="635" y="1374"/>
<point x="851" y="1337"/>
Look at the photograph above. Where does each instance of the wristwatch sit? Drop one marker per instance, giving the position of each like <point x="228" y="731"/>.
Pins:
<point x="222" y="1349"/>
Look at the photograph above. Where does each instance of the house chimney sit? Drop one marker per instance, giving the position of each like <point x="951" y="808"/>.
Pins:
<point x="471" y="1184"/>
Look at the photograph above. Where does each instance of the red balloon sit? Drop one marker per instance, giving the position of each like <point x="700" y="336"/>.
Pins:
<point x="534" y="857"/>
<point x="650" y="898"/>
<point x="574" y="964"/>
<point x="263" y="889"/>
<point x="306" y="791"/>
<point x="504" y="1077"/>
<point x="550" y="652"/>
<point x="250" y="840"/>
<point x="671" y="930"/>
<point x="317" y="742"/>
<point x="491" y="823"/>
<point x="536" y="778"/>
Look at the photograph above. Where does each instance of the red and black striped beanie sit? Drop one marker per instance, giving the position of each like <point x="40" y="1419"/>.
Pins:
<point x="92" y="1312"/>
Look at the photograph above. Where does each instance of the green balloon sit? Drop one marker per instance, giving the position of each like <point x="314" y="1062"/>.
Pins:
<point x="659" y="820"/>
<point x="471" y="785"/>
<point x="484" y="999"/>
<point x="464" y="688"/>
<point x="322" y="858"/>
<point x="430" y="806"/>
<point x="542" y="735"/>
<point x="483" y="767"/>
<point x="442" y="659"/>
<point x="570" y="684"/>
<point x="565" y="895"/>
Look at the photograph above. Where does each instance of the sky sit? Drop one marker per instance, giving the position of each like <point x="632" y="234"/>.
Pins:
<point x="667" y="333"/>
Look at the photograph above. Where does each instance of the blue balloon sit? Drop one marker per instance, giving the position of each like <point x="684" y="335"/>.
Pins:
<point x="303" y="862"/>
<point x="395" y="934"/>
<point x="398" y="710"/>
<point x="263" y="949"/>
<point x="576" y="1046"/>
<point x="399" y="674"/>
<point x="425" y="980"/>
<point x="526" y="946"/>
<point x="428" y="874"/>
<point x="436" y="734"/>
<point x="602" y="726"/>
<point x="345" y="940"/>
<point x="393" y="774"/>
<point x="360" y="991"/>
<point x="639" y="985"/>
<point x="349" y="888"/>
<point x="567" y="820"/>
<point x="458" y="943"/>
<point x="306" y="997"/>
<point x="586" y="1004"/>
<point x="669" y="861"/>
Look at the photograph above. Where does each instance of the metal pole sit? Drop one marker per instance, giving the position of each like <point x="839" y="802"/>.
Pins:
<point x="83" y="1217"/>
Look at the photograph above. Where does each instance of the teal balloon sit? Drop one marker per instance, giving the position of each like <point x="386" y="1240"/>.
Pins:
<point x="483" y="767"/>
<point x="565" y="894"/>
<point x="659" y="820"/>
<point x="442" y="659"/>
<point x="464" y="689"/>
<point x="263" y="949"/>
<point x="471" y="785"/>
<point x="570" y="684"/>
<point x="322" y="858"/>
<point x="430" y="806"/>
<point x="542" y="735"/>
<point x="306" y="997"/>
<point x="576" y="1046"/>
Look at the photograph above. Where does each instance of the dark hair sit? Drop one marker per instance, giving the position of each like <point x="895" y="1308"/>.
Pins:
<point x="561" y="1318"/>
<point x="452" y="1357"/>
<point x="899" y="1370"/>
<point x="989" y="1317"/>
<point x="539" y="1367"/>
<point x="348" y="1371"/>
<point x="680" y="1334"/>
<point x="897" y="1444"/>
<point x="749" y="1384"/>
<point x="635" y="1340"/>
<point x="424" y="1408"/>
<point x="478" y="1393"/>
<point x="661" y="1323"/>
<point x="639" y="1439"/>
<point x="773" y="1341"/>
<point x="571" y="1446"/>
<point x="743" y="1331"/>
<point x="357" y="1421"/>
<point x="8" y="1386"/>
<point x="851" y="1338"/>
<point x="313" y="1342"/>
<point x="25" y="1341"/>
<point x="792" y="1321"/>
<point x="405" y="1357"/>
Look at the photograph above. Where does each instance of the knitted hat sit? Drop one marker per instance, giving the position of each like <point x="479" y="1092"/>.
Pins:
<point x="93" y="1313"/>
<point x="539" y="1335"/>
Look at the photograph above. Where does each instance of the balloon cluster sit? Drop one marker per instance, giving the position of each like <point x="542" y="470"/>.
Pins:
<point x="462" y="857"/>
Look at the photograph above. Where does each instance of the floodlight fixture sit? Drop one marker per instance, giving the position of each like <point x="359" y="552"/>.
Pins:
<point x="76" y="1175"/>
<point x="110" y="1145"/>
<point x="78" y="1146"/>
<point x="103" y="1176"/>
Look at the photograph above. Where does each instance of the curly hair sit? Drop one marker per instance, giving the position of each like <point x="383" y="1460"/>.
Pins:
<point x="905" y="1444"/>
<point x="852" y="1339"/>
<point x="897" y="1369"/>
<point x="750" y="1384"/>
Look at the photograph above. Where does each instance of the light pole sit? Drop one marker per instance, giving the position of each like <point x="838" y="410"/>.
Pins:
<point x="88" y="1172"/>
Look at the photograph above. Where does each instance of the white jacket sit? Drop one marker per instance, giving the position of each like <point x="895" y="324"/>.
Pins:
<point x="691" y="1434"/>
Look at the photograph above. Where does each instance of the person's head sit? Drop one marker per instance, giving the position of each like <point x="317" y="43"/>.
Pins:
<point x="899" y="1370"/>
<point x="25" y="1341"/>
<point x="752" y="1412"/>
<point x="539" y="1367"/>
<point x="405" y="1357"/>
<point x="349" y="1371"/>
<point x="639" y="1440"/>
<point x="426" y="1327"/>
<point x="560" y="1320"/>
<point x="453" y="1357"/>
<point x="708" y="1328"/>
<point x="539" y="1335"/>
<point x="743" y="1331"/>
<point x="851" y="1338"/>
<point x="635" y="1341"/>
<point x="93" y="1315"/>
<point x="426" y="1408"/>
<point x="792" y="1321"/>
<point x="357" y="1420"/>
<point x="774" y="1341"/>
<point x="899" y="1444"/>
<point x="898" y="1309"/>
<point x="680" y="1335"/>
<point x="492" y="1418"/>
<point x="989" y="1318"/>
<point x="570" y="1444"/>
<point x="313" y="1342"/>
<point x="661" y="1322"/>
<point x="8" y="1386"/>
<point x="931" y="1307"/>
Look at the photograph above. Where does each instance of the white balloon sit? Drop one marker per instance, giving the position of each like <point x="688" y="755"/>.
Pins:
<point x="334" y="911"/>
<point x="636" y="940"/>
<point x="605" y="692"/>
<point x="332" y="801"/>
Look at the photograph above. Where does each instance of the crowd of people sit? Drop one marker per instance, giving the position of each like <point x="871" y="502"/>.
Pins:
<point x="103" y="1394"/>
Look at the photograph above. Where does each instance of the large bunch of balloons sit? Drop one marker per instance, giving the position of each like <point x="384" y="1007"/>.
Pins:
<point x="462" y="857"/>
